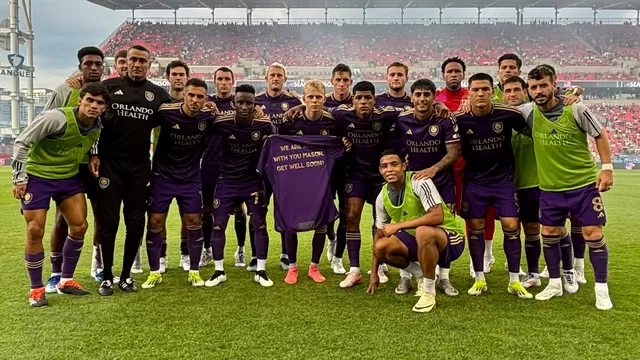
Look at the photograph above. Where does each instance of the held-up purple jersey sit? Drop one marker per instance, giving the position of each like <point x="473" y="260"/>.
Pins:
<point x="181" y="143"/>
<point x="369" y="138"/>
<point x="425" y="142"/>
<point x="331" y="102"/>
<point x="486" y="144"/>
<point x="213" y="155"/>
<point x="241" y="146"/>
<point x="327" y="125"/>
<point x="299" y="171"/>
<point x="275" y="107"/>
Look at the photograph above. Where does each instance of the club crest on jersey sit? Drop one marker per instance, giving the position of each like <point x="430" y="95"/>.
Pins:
<point x="465" y="206"/>
<point x="434" y="130"/>
<point x="149" y="96"/>
<point x="255" y="135"/>
<point x="104" y="182"/>
<point x="497" y="127"/>
<point x="216" y="203"/>
<point x="376" y="125"/>
<point x="284" y="106"/>
<point x="202" y="125"/>
<point x="348" y="188"/>
<point x="27" y="198"/>
<point x="324" y="132"/>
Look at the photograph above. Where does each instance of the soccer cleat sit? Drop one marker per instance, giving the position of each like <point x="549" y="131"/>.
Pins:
<point x="531" y="280"/>
<point x="52" y="284"/>
<point x="420" y="288"/>
<point x="404" y="286"/>
<point x="127" y="285"/>
<point x="315" y="275"/>
<point x="472" y="272"/>
<point x="488" y="265"/>
<point x="153" y="280"/>
<point x="382" y="276"/>
<point x="284" y="263"/>
<point x="331" y="249"/>
<point x="426" y="303"/>
<point x="163" y="265"/>
<point x="253" y="265"/>
<point x="337" y="267"/>
<point x="98" y="275"/>
<point x="71" y="287"/>
<point x="185" y="262"/>
<point x="580" y="276"/>
<point x="37" y="298"/>
<point x="262" y="278"/>
<point x="478" y="287"/>
<point x="570" y="282"/>
<point x="516" y="288"/>
<point x="446" y="287"/>
<point x="195" y="279"/>
<point x="137" y="264"/>
<point x="549" y="292"/>
<point x="217" y="278"/>
<point x="106" y="288"/>
<point x="545" y="273"/>
<point x="603" y="301"/>
<point x="240" y="258"/>
<point x="292" y="275"/>
<point x="205" y="258"/>
<point x="352" y="280"/>
<point x="384" y="267"/>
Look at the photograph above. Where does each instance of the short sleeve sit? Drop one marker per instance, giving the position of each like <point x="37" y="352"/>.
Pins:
<point x="587" y="120"/>
<point x="427" y="192"/>
<point x="382" y="217"/>
<point x="451" y="131"/>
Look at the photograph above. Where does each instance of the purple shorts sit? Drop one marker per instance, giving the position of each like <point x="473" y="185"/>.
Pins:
<point x="584" y="204"/>
<point x="529" y="200"/>
<point x="367" y="189"/>
<point x="209" y="177"/>
<point x="40" y="191"/>
<point x="228" y="195"/>
<point x="476" y="200"/>
<point x="455" y="246"/>
<point x="410" y="242"/>
<point x="163" y="192"/>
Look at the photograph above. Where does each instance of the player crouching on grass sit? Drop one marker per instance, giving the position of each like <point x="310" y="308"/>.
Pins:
<point x="413" y="225"/>
<point x="47" y="157"/>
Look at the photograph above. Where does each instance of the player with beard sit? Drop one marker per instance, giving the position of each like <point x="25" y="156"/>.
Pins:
<point x="242" y="136"/>
<point x="275" y="102"/>
<point x="341" y="79"/>
<point x="570" y="182"/>
<point x="432" y="145"/>
<point x="211" y="162"/>
<point x="91" y="67"/>
<point x="486" y="133"/>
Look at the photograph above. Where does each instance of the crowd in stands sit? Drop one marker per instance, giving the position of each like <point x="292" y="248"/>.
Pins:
<point x="623" y="122"/>
<point x="597" y="76"/>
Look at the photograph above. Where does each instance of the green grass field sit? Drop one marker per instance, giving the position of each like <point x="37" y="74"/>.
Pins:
<point x="241" y="320"/>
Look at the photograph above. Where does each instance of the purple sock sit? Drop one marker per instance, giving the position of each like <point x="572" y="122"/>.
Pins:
<point x="513" y="249"/>
<point x="599" y="257"/>
<point x="292" y="246"/>
<point x="566" y="252"/>
<point x="71" y="254"/>
<point x="240" y="223"/>
<point x="56" y="262"/>
<point x="579" y="245"/>
<point x="317" y="245"/>
<point x="218" y="241"/>
<point x="252" y="240"/>
<point x="194" y="239"/>
<point x="552" y="256"/>
<point x="354" y="241"/>
<point x="476" y="248"/>
<point x="331" y="233"/>
<point x="154" y="244"/>
<point x="262" y="243"/>
<point x="207" y="228"/>
<point x="34" y="263"/>
<point x="532" y="251"/>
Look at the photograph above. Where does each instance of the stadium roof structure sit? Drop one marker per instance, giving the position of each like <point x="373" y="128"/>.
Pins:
<point x="363" y="4"/>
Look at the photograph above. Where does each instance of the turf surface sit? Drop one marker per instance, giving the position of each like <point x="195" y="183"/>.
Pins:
<point x="241" y="320"/>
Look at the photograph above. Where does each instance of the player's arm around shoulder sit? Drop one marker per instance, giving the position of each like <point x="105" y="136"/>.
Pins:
<point x="431" y="201"/>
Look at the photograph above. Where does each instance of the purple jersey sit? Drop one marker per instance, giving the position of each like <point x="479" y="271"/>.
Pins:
<point x="275" y="107"/>
<point x="213" y="155"/>
<point x="370" y="137"/>
<point x="403" y="102"/>
<point x="425" y="142"/>
<point x="486" y="144"/>
<point x="299" y="171"/>
<point x="327" y="125"/>
<point x="331" y="102"/>
<point x="241" y="146"/>
<point x="181" y="143"/>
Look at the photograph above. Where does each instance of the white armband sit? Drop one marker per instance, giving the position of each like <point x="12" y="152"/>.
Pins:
<point x="608" y="166"/>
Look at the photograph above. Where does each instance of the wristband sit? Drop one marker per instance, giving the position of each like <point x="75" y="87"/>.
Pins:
<point x="608" y="166"/>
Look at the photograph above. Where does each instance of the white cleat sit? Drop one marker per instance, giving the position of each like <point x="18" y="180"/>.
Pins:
<point x="545" y="273"/>
<point x="239" y="257"/>
<point x="352" y="280"/>
<point x="331" y="249"/>
<point x="488" y="265"/>
<point x="262" y="278"/>
<point x="603" y="301"/>
<point x="550" y="292"/>
<point x="420" y="287"/>
<point x="384" y="267"/>
<point x="185" y="263"/>
<point x="531" y="280"/>
<point x="426" y="303"/>
<point x="570" y="282"/>
<point x="446" y="287"/>
<point x="205" y="258"/>
<point x="337" y="267"/>
<point x="580" y="276"/>
<point x="216" y="279"/>
<point x="163" y="265"/>
<point x="382" y="276"/>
